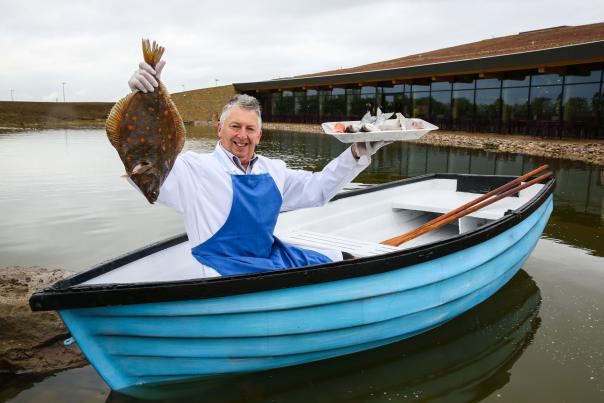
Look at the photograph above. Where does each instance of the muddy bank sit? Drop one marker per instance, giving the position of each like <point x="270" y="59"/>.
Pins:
<point x="588" y="151"/>
<point x="31" y="342"/>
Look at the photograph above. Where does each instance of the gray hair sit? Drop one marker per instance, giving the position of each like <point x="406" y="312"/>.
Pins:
<point x="242" y="101"/>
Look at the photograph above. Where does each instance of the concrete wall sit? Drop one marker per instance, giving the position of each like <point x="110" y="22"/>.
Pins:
<point x="203" y="105"/>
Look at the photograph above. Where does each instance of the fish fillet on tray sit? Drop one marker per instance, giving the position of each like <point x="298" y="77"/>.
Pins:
<point x="400" y="129"/>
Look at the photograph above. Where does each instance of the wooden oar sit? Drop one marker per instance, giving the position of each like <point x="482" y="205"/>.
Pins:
<point x="493" y="192"/>
<point x="474" y="205"/>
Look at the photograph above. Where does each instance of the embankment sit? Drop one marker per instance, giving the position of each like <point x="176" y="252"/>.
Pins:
<point x="32" y="342"/>
<point x="52" y="115"/>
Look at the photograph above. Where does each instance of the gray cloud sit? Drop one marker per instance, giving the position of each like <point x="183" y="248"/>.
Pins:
<point x="94" y="46"/>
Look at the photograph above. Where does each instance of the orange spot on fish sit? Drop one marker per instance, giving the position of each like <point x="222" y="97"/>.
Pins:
<point x="134" y="118"/>
<point x="142" y="139"/>
<point x="169" y="136"/>
<point x="166" y="113"/>
<point x="130" y="127"/>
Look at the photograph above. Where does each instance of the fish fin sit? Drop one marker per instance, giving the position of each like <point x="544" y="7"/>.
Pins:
<point x="152" y="53"/>
<point x="178" y="122"/>
<point x="112" y="124"/>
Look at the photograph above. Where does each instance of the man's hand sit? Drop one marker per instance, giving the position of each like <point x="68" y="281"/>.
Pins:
<point x="367" y="148"/>
<point x="145" y="78"/>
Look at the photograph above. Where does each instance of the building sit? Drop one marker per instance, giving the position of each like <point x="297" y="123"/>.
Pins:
<point x="546" y="82"/>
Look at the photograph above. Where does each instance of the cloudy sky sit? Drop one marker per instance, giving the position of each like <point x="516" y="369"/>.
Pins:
<point x="94" y="46"/>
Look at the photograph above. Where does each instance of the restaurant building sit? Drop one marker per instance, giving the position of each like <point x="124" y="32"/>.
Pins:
<point x="546" y="82"/>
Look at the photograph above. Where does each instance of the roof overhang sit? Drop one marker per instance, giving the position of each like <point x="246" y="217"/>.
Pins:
<point x="590" y="52"/>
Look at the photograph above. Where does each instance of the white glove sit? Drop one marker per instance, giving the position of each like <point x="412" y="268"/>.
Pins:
<point x="367" y="148"/>
<point x="145" y="78"/>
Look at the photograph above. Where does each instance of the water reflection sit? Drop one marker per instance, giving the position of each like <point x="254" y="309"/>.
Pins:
<point x="466" y="359"/>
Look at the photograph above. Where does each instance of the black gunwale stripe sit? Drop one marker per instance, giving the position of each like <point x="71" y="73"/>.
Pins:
<point x="68" y="294"/>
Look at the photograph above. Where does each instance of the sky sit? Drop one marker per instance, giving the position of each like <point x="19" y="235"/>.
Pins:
<point x="95" y="46"/>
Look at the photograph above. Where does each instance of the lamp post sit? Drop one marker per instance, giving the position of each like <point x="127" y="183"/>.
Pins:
<point x="64" y="90"/>
<point x="216" y="82"/>
<point x="183" y="87"/>
<point x="11" y="95"/>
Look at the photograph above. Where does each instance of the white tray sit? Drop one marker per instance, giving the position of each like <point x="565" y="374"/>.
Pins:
<point x="386" y="135"/>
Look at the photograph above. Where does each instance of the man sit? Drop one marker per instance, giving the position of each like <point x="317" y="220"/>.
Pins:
<point x="231" y="198"/>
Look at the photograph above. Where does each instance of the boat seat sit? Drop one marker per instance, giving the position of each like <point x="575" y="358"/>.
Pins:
<point x="355" y="247"/>
<point x="443" y="201"/>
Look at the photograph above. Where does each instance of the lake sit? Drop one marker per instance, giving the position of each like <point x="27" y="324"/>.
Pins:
<point x="65" y="205"/>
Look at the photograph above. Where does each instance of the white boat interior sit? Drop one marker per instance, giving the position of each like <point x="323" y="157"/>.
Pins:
<point x="355" y="225"/>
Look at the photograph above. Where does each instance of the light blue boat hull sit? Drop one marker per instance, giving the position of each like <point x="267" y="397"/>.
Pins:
<point x="178" y="340"/>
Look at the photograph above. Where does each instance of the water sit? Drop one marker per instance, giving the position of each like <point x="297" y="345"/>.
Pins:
<point x="64" y="205"/>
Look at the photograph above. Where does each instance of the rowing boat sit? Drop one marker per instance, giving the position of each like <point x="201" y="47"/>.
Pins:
<point x="147" y="317"/>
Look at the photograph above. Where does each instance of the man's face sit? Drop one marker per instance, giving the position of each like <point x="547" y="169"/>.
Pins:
<point x="240" y="134"/>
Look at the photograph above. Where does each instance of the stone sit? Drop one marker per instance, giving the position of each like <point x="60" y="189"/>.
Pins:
<point x="32" y="342"/>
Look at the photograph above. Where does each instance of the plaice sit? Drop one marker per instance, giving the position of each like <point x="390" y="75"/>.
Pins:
<point x="147" y="131"/>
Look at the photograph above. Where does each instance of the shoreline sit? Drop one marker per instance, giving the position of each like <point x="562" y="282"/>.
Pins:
<point x="589" y="151"/>
<point x="31" y="343"/>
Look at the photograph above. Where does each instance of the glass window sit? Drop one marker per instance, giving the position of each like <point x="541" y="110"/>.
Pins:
<point x="265" y="102"/>
<point x="299" y="102"/>
<point x="514" y="104"/>
<point x="488" y="83"/>
<point x="402" y="103"/>
<point x="459" y="85"/>
<point x="421" y="105"/>
<point x="335" y="106"/>
<point x="583" y="74"/>
<point x="355" y="107"/>
<point x="441" y="106"/>
<point x="323" y="95"/>
<point x="487" y="104"/>
<point x="338" y="91"/>
<point x="546" y="79"/>
<point x="288" y="94"/>
<point x="441" y="86"/>
<point x="581" y="102"/>
<point x="394" y="89"/>
<point x="311" y="92"/>
<point x="389" y="103"/>
<point x="517" y="80"/>
<point x="275" y="101"/>
<point x="545" y="102"/>
<point x="463" y="105"/>
<point x="353" y="91"/>
<point x="368" y="90"/>
<point x="312" y="106"/>
<point x="421" y="87"/>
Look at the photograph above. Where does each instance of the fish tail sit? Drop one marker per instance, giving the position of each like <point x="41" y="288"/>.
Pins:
<point x="152" y="53"/>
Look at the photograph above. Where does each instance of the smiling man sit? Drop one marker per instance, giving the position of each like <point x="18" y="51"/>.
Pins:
<point x="230" y="199"/>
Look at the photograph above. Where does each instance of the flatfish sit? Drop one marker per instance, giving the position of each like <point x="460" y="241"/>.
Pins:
<point x="147" y="132"/>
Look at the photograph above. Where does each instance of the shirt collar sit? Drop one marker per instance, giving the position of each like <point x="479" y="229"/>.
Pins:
<point x="236" y="161"/>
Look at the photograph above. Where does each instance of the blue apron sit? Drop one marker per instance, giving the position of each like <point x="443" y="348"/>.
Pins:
<point x="245" y="243"/>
